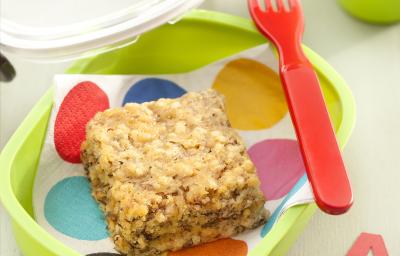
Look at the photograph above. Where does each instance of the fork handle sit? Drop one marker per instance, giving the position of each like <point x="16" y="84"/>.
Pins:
<point x="324" y="165"/>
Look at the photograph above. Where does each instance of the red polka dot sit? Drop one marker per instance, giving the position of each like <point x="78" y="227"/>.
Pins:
<point x="279" y="166"/>
<point x="223" y="247"/>
<point x="78" y="107"/>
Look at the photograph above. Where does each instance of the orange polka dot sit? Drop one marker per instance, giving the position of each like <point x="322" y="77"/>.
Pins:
<point x="253" y="93"/>
<point x="223" y="247"/>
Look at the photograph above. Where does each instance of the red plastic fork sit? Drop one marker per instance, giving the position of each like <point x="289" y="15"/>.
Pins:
<point x="324" y="165"/>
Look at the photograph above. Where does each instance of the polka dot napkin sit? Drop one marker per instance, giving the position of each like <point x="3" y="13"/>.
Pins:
<point x="255" y="105"/>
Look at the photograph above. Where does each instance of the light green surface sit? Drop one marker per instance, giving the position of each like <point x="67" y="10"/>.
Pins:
<point x="200" y="38"/>
<point x="376" y="11"/>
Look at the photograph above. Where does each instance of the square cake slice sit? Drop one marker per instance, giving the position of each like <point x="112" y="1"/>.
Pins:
<point x="171" y="173"/>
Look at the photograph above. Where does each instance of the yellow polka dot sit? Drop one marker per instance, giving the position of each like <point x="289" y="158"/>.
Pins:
<point x="253" y="93"/>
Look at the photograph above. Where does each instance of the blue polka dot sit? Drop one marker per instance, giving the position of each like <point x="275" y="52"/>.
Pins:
<point x="274" y="217"/>
<point x="70" y="209"/>
<point x="151" y="89"/>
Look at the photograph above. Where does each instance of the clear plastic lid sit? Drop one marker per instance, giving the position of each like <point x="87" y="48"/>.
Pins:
<point x="69" y="29"/>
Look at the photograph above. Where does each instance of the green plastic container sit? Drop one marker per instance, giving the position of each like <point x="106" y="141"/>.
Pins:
<point x="198" y="39"/>
<point x="375" y="11"/>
